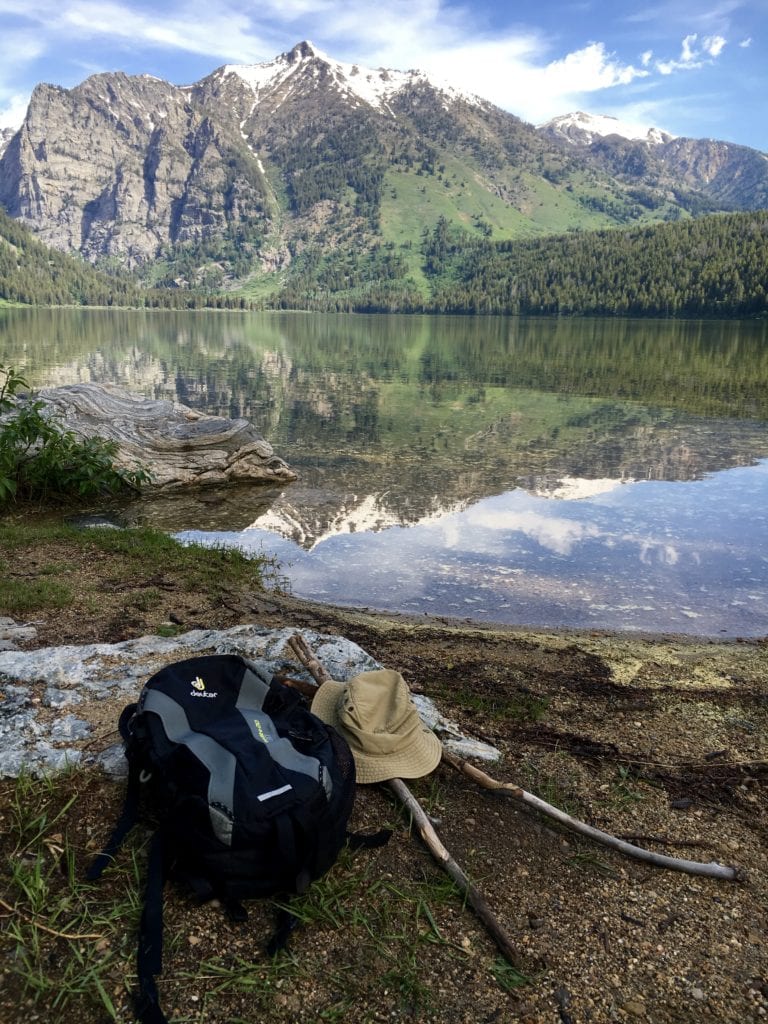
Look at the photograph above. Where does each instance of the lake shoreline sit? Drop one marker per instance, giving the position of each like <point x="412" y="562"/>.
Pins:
<point x="659" y="737"/>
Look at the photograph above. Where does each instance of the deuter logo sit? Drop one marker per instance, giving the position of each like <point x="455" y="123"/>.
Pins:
<point x="199" y="689"/>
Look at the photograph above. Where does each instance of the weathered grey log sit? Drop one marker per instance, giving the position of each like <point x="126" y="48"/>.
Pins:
<point x="178" y="446"/>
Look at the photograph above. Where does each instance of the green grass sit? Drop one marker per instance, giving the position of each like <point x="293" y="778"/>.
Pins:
<point x="508" y="977"/>
<point x="19" y="596"/>
<point x="133" y="551"/>
<point x="66" y="944"/>
<point x="518" y="707"/>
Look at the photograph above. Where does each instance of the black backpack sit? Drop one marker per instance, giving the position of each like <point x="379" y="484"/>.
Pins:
<point x="251" y="794"/>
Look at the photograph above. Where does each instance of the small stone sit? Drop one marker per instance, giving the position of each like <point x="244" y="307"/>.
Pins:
<point x="698" y="993"/>
<point x="634" y="1007"/>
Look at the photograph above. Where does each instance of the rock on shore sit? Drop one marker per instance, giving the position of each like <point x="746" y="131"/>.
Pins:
<point x="177" y="445"/>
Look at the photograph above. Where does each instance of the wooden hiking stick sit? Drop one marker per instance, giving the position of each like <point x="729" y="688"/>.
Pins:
<point x="308" y="659"/>
<point x="435" y="846"/>
<point x="691" y="867"/>
<point x="305" y="689"/>
<point x="449" y="865"/>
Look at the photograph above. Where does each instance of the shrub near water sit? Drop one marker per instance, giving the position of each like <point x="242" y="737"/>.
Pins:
<point x="40" y="460"/>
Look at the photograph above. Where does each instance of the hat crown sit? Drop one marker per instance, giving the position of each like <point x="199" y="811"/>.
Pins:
<point x="378" y="712"/>
<point x="377" y="717"/>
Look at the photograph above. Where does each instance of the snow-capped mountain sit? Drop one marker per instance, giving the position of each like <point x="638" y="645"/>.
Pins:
<point x="235" y="177"/>
<point x="376" y="88"/>
<point x="581" y="128"/>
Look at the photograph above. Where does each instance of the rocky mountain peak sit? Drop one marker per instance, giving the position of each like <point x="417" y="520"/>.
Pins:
<point x="580" y="128"/>
<point x="310" y="66"/>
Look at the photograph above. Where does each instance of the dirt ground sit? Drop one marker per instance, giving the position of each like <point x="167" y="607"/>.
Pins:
<point x="660" y="740"/>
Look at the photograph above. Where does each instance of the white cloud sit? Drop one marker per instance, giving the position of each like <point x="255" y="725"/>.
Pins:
<point x="515" y="68"/>
<point x="555" y="533"/>
<point x="13" y="107"/>
<point x="694" y="54"/>
<point x="714" y="45"/>
<point x="745" y="43"/>
<point x="688" y="54"/>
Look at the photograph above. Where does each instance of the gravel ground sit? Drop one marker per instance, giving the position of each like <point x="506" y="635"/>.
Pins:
<point x="661" y="740"/>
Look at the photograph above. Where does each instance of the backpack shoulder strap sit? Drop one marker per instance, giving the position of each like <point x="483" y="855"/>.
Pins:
<point x="149" y="958"/>
<point x="124" y="824"/>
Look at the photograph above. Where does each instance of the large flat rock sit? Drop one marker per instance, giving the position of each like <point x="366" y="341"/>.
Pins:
<point x="60" y="705"/>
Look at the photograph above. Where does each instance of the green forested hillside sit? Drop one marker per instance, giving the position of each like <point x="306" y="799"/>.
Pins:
<point x="711" y="266"/>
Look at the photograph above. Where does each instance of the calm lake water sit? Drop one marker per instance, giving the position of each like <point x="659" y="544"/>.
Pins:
<point x="592" y="473"/>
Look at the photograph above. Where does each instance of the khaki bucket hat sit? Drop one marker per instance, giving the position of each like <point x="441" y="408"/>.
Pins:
<point x="376" y="716"/>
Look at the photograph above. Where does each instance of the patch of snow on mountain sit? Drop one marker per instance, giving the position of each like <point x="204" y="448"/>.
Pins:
<point x="571" y="488"/>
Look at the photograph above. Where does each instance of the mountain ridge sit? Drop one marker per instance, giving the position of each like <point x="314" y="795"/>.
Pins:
<point x="240" y="181"/>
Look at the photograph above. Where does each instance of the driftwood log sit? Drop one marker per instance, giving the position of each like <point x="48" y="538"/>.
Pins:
<point x="177" y="445"/>
<point x="691" y="867"/>
<point x="509" y="789"/>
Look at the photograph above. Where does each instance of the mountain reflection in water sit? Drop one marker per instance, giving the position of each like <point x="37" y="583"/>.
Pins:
<point x="542" y="472"/>
<point x="649" y="555"/>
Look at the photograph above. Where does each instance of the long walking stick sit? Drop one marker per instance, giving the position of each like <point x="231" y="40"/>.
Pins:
<point x="433" y="842"/>
<point x="691" y="867"/>
<point x="509" y="789"/>
<point x="474" y="897"/>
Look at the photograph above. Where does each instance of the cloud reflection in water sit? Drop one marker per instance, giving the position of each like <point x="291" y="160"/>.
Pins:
<point x="655" y="556"/>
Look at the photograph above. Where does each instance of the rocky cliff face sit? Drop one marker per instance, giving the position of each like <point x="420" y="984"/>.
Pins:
<point x="6" y="134"/>
<point x="122" y="166"/>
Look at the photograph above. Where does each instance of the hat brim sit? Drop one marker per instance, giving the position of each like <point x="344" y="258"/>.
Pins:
<point x="418" y="759"/>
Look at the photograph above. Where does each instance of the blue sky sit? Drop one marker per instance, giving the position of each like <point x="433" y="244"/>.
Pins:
<point x="695" y="69"/>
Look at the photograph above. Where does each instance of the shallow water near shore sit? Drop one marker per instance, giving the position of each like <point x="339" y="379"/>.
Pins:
<point x="652" y="556"/>
<point x="576" y="474"/>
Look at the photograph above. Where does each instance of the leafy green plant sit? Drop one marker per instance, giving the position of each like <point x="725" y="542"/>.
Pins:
<point x="41" y="460"/>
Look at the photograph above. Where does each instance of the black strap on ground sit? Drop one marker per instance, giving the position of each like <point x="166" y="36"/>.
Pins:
<point x="149" y="959"/>
<point x="358" y="841"/>
<point x="126" y="821"/>
<point x="286" y="923"/>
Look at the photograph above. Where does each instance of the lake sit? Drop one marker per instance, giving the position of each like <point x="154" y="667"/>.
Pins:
<point x="561" y="473"/>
